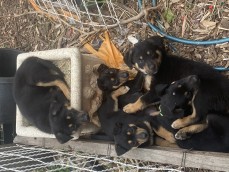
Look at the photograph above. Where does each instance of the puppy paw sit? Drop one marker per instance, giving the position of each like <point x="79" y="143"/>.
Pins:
<point x="177" y="124"/>
<point x="120" y="91"/>
<point x="124" y="89"/>
<point x="180" y="135"/>
<point x="130" y="108"/>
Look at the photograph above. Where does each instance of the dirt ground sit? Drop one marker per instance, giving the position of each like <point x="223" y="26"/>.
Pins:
<point x="25" y="29"/>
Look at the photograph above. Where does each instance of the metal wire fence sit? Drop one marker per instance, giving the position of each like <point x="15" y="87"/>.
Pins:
<point x="24" y="158"/>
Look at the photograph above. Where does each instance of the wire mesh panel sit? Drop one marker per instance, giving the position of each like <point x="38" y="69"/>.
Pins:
<point x="87" y="14"/>
<point x="27" y="158"/>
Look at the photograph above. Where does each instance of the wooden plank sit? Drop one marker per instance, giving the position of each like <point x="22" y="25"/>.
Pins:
<point x="175" y="156"/>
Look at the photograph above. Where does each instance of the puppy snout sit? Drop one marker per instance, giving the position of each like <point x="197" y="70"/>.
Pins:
<point x="153" y="68"/>
<point x="143" y="135"/>
<point x="84" y="117"/>
<point x="124" y="75"/>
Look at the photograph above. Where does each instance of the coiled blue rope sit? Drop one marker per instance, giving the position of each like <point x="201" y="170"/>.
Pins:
<point x="186" y="41"/>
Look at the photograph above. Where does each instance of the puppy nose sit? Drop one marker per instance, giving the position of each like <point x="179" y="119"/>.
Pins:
<point x="84" y="117"/>
<point x="124" y="75"/>
<point x="143" y="135"/>
<point x="193" y="78"/>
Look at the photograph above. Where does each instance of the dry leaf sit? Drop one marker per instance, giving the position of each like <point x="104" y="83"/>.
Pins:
<point x="107" y="52"/>
<point x="208" y="24"/>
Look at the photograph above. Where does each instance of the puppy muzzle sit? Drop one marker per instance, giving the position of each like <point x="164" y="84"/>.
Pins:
<point x="83" y="117"/>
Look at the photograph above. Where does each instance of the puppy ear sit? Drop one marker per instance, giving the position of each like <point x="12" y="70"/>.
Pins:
<point x="161" y="88"/>
<point x="193" y="81"/>
<point x="157" y="41"/>
<point x="120" y="150"/>
<point x="117" y="128"/>
<point x="128" y="59"/>
<point x="101" y="68"/>
<point x="62" y="138"/>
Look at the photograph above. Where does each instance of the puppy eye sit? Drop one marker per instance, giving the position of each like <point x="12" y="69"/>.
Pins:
<point x="188" y="94"/>
<point x="130" y="131"/>
<point x="141" y="59"/>
<point x="112" y="79"/>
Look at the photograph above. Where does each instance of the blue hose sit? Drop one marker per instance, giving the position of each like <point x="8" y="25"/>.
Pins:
<point x="186" y="41"/>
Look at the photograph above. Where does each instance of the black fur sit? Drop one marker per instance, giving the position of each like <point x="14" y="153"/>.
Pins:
<point x="117" y="124"/>
<point x="214" y="138"/>
<point x="213" y="94"/>
<point x="110" y="79"/>
<point x="47" y="108"/>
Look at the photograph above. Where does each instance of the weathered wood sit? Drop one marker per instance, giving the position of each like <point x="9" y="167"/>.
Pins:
<point x="175" y="156"/>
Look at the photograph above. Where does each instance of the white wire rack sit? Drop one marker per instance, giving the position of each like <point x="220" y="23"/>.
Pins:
<point x="88" y="14"/>
<point x="22" y="158"/>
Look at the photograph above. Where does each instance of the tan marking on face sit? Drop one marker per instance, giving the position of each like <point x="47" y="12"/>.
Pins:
<point x="128" y="133"/>
<point x="140" y="57"/>
<point x="70" y="125"/>
<point x="132" y="125"/>
<point x="129" y="141"/>
<point x="159" y="58"/>
<point x="186" y="93"/>
<point x="179" y="86"/>
<point x="112" y="79"/>
<point x="148" y="52"/>
<point x="173" y="82"/>
<point x="139" y="131"/>
<point x="158" y="52"/>
<point x="68" y="117"/>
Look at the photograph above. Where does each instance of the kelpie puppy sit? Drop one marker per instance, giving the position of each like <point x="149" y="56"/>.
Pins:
<point x="42" y="96"/>
<point x="128" y="131"/>
<point x="207" y="97"/>
<point x="111" y="79"/>
<point x="211" y="134"/>
<point x="149" y="57"/>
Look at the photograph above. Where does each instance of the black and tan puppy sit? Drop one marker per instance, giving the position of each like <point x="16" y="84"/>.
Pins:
<point x="207" y="97"/>
<point x="127" y="131"/>
<point x="42" y="96"/>
<point x="110" y="79"/>
<point x="150" y="58"/>
<point x="212" y="134"/>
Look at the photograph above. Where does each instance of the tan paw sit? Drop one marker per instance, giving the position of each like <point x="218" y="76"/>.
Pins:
<point x="177" y="124"/>
<point x="180" y="135"/>
<point x="131" y="108"/>
<point x="123" y="90"/>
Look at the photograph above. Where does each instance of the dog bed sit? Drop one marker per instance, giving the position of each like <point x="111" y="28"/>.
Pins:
<point x="74" y="66"/>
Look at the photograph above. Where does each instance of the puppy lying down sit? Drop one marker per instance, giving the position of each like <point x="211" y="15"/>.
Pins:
<point x="42" y="96"/>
